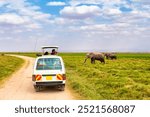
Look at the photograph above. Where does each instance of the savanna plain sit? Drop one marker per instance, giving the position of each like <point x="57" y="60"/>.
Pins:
<point x="126" y="78"/>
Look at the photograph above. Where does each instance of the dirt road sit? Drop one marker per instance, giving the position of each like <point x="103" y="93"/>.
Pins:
<point x="19" y="86"/>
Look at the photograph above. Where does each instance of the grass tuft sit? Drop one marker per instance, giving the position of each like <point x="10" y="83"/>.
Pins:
<point x="8" y="65"/>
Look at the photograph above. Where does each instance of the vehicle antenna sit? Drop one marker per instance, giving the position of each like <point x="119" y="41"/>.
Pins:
<point x="35" y="44"/>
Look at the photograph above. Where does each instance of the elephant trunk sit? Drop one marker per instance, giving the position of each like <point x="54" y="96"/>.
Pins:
<point x="85" y="59"/>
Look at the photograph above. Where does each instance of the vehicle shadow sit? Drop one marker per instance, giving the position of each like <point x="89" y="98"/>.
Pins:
<point x="49" y="89"/>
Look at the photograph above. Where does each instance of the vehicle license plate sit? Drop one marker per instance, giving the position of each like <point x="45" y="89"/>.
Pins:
<point x="48" y="77"/>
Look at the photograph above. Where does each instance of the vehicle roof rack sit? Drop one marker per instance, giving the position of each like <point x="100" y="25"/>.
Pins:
<point x="45" y="47"/>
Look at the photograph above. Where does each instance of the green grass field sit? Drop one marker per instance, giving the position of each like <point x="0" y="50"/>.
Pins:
<point x="8" y="65"/>
<point x="128" y="77"/>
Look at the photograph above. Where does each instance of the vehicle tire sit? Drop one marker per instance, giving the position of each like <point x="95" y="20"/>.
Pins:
<point x="62" y="88"/>
<point x="37" y="88"/>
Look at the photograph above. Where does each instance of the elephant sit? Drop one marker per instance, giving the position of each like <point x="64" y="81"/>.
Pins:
<point x="110" y="56"/>
<point x="95" y="56"/>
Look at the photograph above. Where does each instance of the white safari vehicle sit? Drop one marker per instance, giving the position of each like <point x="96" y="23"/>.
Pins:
<point x="49" y="70"/>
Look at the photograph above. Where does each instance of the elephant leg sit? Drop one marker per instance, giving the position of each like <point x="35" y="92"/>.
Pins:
<point x="92" y="60"/>
<point x="112" y="57"/>
<point x="102" y="60"/>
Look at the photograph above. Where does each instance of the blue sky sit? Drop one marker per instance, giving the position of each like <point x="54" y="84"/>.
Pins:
<point x="75" y="25"/>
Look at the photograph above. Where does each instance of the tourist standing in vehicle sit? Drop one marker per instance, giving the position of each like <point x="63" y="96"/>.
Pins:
<point x="53" y="52"/>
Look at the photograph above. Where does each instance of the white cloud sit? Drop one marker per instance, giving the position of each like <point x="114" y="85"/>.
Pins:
<point x="140" y="14"/>
<point x="112" y="11"/>
<point x="142" y="1"/>
<point x="96" y="24"/>
<point x="61" y="21"/>
<point x="28" y="10"/>
<point x="97" y="27"/>
<point x="78" y="2"/>
<point x="80" y="12"/>
<point x="56" y="3"/>
<point x="96" y="2"/>
<point x="104" y="29"/>
<point x="2" y="2"/>
<point x="41" y="17"/>
<point x="23" y="14"/>
<point x="11" y="19"/>
<point x="33" y="26"/>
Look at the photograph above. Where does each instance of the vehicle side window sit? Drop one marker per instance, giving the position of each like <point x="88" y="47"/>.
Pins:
<point x="49" y="64"/>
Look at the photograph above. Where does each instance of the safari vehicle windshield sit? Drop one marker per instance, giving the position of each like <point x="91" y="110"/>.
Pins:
<point x="49" y="64"/>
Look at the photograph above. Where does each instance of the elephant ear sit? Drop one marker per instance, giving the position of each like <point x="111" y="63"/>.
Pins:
<point x="91" y="55"/>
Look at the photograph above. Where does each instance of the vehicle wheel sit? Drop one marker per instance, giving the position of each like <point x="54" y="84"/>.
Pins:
<point x="37" y="88"/>
<point x="62" y="88"/>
